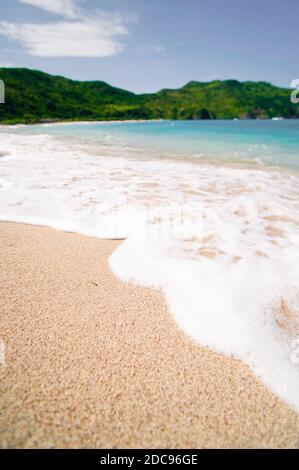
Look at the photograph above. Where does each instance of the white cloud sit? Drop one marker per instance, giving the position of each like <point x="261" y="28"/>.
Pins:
<point x="66" y="8"/>
<point x="78" y="35"/>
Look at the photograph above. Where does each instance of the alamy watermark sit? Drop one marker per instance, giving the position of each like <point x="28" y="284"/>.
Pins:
<point x="295" y="93"/>
<point x="2" y="92"/>
<point x="175" y="221"/>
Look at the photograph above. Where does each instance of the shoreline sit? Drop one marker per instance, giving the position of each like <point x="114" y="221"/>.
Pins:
<point x="66" y="123"/>
<point x="95" y="362"/>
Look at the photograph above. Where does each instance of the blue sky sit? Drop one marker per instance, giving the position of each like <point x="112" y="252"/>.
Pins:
<point x="146" y="45"/>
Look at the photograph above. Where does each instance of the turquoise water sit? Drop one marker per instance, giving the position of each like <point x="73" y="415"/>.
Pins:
<point x="269" y="142"/>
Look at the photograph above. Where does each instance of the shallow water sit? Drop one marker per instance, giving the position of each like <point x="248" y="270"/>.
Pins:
<point x="269" y="142"/>
<point x="209" y="211"/>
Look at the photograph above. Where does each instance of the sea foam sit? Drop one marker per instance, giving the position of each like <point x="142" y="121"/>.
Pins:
<point x="221" y="241"/>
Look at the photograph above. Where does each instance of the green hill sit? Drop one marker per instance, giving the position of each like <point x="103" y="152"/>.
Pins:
<point x="33" y="96"/>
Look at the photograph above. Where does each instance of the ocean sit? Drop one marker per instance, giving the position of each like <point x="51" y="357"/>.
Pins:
<point x="208" y="211"/>
<point x="269" y="142"/>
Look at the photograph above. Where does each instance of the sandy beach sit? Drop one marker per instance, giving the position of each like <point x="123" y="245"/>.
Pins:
<point x="94" y="362"/>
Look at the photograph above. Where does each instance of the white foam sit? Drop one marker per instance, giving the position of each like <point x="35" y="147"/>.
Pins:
<point x="229" y="307"/>
<point x="221" y="242"/>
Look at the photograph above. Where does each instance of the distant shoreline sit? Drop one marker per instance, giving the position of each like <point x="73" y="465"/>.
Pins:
<point x="128" y="121"/>
<point x="66" y="122"/>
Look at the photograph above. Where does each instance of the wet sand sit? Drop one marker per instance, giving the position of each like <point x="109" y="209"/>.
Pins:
<point x="94" y="362"/>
